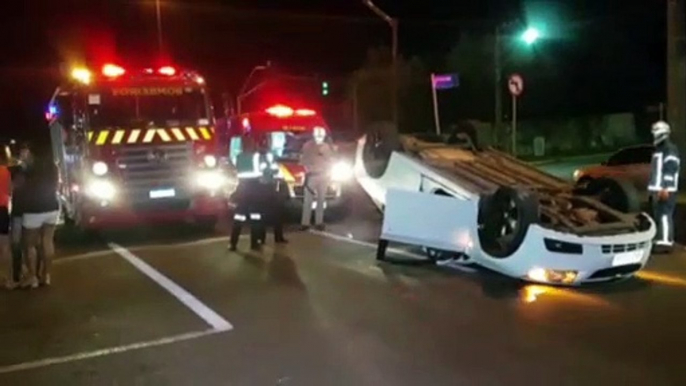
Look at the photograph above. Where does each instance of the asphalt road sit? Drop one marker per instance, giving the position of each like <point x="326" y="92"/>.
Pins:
<point x="171" y="306"/>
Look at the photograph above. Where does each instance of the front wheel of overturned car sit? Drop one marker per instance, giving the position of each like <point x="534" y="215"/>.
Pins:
<point x="504" y="219"/>
<point x="381" y="140"/>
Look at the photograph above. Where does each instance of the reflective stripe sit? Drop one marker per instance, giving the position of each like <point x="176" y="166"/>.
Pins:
<point x="90" y="136"/>
<point x="239" y="217"/>
<point x="665" y="229"/>
<point x="664" y="243"/>
<point x="178" y="134"/>
<point x="102" y="137"/>
<point x="164" y="135"/>
<point x="669" y="178"/>
<point x="149" y="135"/>
<point x="672" y="158"/>
<point x="263" y="166"/>
<point x="205" y="133"/>
<point x="191" y="133"/>
<point x="248" y="174"/>
<point x="255" y="216"/>
<point x="256" y="162"/>
<point x="133" y="137"/>
<point x="118" y="137"/>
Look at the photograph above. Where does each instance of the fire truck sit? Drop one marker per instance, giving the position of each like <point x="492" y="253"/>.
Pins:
<point x="286" y="129"/>
<point x="137" y="146"/>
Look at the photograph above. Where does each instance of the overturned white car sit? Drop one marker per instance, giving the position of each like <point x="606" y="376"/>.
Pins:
<point x="490" y="209"/>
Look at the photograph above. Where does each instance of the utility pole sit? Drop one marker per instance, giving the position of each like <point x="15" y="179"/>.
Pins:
<point x="676" y="71"/>
<point x="498" y="77"/>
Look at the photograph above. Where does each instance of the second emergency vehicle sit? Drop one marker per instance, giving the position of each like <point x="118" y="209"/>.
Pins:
<point x="137" y="145"/>
<point x="286" y="129"/>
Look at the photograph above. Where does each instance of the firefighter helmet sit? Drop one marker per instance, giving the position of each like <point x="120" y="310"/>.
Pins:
<point x="661" y="131"/>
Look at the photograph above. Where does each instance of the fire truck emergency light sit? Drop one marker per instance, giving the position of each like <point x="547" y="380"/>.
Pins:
<point x="112" y="70"/>
<point x="305" y="112"/>
<point x="82" y="75"/>
<point x="280" y="111"/>
<point x="167" y="70"/>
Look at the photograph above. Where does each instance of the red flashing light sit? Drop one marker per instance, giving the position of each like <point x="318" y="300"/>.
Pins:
<point x="305" y="112"/>
<point x="167" y="70"/>
<point x="280" y="111"/>
<point x="112" y="70"/>
<point x="246" y="123"/>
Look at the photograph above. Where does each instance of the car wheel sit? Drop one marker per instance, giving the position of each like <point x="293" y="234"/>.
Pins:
<point x="381" y="140"/>
<point x="617" y="194"/>
<point x="504" y="219"/>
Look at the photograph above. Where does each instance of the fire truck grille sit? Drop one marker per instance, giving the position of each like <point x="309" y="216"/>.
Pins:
<point x="148" y="170"/>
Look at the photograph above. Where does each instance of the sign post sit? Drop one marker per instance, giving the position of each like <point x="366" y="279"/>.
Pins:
<point x="516" y="86"/>
<point x="441" y="82"/>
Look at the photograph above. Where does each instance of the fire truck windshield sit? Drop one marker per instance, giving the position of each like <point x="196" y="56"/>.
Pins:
<point x="124" y="109"/>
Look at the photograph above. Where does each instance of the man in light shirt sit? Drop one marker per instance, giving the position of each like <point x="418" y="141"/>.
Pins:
<point x="317" y="158"/>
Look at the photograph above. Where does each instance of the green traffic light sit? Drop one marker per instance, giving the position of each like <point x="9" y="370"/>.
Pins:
<point x="325" y="88"/>
<point x="531" y="35"/>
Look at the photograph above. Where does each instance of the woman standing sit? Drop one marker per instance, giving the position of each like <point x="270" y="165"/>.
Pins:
<point x="41" y="213"/>
<point x="5" y="192"/>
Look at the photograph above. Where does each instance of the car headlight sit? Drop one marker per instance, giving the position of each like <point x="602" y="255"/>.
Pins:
<point x="577" y="174"/>
<point x="101" y="189"/>
<point x="100" y="168"/>
<point x="211" y="179"/>
<point x="341" y="171"/>
<point x="552" y="276"/>
<point x="210" y="161"/>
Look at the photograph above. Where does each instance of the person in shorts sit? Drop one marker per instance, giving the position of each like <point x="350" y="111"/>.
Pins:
<point x="18" y="172"/>
<point x="5" y="191"/>
<point x="41" y="214"/>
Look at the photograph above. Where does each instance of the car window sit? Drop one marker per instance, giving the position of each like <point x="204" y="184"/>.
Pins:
<point x="631" y="156"/>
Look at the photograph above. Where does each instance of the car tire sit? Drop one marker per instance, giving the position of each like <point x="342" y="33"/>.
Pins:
<point x="381" y="140"/>
<point x="617" y="194"/>
<point x="504" y="220"/>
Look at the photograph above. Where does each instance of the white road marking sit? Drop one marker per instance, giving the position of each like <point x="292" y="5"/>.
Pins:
<point x="397" y="251"/>
<point x="190" y="301"/>
<point x="107" y="351"/>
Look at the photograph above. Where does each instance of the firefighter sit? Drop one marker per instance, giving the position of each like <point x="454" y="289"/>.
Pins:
<point x="664" y="185"/>
<point x="317" y="157"/>
<point x="246" y="196"/>
<point x="271" y="198"/>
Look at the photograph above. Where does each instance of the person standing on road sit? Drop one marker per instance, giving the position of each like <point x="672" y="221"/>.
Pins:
<point x="5" y="192"/>
<point x="317" y="157"/>
<point x="271" y="199"/>
<point x="41" y="213"/>
<point x="246" y="196"/>
<point x="664" y="185"/>
<point x="18" y="172"/>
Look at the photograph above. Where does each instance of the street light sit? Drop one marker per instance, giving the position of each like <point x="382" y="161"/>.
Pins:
<point x="242" y="94"/>
<point x="529" y="36"/>
<point x="393" y="23"/>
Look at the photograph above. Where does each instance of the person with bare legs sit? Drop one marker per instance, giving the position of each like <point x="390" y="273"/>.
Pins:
<point x="5" y="191"/>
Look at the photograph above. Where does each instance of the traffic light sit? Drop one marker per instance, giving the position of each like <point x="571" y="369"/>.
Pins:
<point x="325" y="88"/>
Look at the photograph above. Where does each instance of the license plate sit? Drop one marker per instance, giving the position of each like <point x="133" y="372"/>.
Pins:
<point x="627" y="258"/>
<point x="162" y="193"/>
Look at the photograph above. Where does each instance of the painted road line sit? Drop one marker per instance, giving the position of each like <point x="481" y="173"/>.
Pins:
<point x="190" y="301"/>
<point x="106" y="351"/>
<point x="396" y="251"/>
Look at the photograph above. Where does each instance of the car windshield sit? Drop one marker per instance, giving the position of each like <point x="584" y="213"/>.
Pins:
<point x="113" y="109"/>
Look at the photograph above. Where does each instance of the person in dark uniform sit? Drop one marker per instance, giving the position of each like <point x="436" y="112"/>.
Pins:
<point x="271" y="198"/>
<point x="664" y="185"/>
<point x="247" y="195"/>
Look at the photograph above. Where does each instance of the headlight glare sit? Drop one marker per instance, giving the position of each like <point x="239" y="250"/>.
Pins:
<point x="552" y="276"/>
<point x="210" y="179"/>
<point x="341" y="171"/>
<point x="100" y="168"/>
<point x="101" y="189"/>
<point x="210" y="161"/>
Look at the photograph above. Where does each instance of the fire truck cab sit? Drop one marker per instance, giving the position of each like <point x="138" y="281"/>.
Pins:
<point x="137" y="146"/>
<point x="286" y="129"/>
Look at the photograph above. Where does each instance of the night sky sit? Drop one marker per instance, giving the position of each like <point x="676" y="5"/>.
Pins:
<point x="609" y="54"/>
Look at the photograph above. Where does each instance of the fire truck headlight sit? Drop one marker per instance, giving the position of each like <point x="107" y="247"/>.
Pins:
<point x="100" y="168"/>
<point x="211" y="180"/>
<point x="341" y="172"/>
<point x="101" y="189"/>
<point x="210" y="161"/>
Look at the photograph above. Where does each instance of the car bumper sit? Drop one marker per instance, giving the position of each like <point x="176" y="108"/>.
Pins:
<point x="99" y="215"/>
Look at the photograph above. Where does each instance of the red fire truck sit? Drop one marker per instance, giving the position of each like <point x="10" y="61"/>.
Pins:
<point x="137" y="146"/>
<point x="286" y="129"/>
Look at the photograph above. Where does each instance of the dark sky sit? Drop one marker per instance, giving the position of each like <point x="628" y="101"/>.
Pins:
<point x="618" y="43"/>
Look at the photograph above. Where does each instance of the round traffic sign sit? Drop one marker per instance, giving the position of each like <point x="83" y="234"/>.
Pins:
<point x="516" y="84"/>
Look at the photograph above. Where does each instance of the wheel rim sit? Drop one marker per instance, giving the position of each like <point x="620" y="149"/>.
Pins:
<point x="509" y="219"/>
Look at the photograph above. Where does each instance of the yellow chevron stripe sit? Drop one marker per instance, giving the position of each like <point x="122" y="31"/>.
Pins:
<point x="178" y="134"/>
<point x="102" y="137"/>
<point x="287" y="175"/>
<point x="164" y="135"/>
<point x="205" y="133"/>
<point x="90" y="136"/>
<point x="191" y="132"/>
<point x="149" y="135"/>
<point x="118" y="137"/>
<point x="133" y="137"/>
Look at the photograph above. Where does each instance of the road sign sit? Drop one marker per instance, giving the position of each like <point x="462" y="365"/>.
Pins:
<point x="445" y="81"/>
<point x="516" y="84"/>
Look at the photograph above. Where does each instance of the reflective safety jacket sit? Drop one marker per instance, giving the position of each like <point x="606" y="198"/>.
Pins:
<point x="664" y="168"/>
<point x="248" y="165"/>
<point x="268" y="168"/>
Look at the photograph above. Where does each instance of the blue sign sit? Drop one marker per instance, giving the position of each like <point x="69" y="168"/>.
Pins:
<point x="445" y="81"/>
